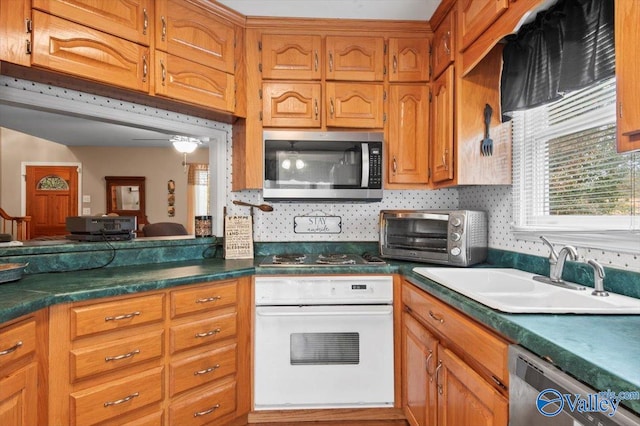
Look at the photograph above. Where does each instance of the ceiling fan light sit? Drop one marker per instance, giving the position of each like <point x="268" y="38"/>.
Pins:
<point x="185" y="144"/>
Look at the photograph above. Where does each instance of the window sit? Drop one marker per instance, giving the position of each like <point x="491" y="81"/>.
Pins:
<point x="567" y="173"/>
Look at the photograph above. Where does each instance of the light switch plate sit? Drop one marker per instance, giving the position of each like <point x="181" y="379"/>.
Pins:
<point x="86" y="198"/>
<point x="86" y="211"/>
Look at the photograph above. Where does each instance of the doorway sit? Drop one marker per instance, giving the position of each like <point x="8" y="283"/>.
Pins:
<point x="51" y="196"/>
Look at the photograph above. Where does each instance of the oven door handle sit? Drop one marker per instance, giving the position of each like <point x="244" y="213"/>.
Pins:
<point x="303" y="313"/>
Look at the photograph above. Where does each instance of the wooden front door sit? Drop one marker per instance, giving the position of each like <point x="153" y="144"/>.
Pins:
<point x="52" y="195"/>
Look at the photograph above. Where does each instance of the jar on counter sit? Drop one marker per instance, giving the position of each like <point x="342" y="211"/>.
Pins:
<point x="203" y="226"/>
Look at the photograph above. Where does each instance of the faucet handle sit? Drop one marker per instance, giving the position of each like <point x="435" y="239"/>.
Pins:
<point x="553" y="254"/>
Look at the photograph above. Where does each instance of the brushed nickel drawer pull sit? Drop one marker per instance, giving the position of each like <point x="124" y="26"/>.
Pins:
<point x="164" y="28"/>
<point x="438" y="385"/>
<point x="435" y="317"/>
<point x="208" y="333"/>
<point x="206" y="370"/>
<point x="208" y="299"/>
<point x="121" y="317"/>
<point x="11" y="349"/>
<point x="427" y="362"/>
<point x="205" y="412"/>
<point x="123" y="400"/>
<point x="145" y="68"/>
<point x="123" y="356"/>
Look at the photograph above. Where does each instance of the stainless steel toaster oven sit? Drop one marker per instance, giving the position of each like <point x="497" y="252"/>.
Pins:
<point x="449" y="237"/>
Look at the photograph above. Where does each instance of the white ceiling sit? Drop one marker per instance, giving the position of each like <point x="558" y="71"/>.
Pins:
<point x="417" y="10"/>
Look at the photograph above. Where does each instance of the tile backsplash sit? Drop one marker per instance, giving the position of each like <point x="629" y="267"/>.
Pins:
<point x="360" y="220"/>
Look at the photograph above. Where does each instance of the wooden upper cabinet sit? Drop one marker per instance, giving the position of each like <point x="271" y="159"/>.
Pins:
<point x="129" y="19"/>
<point x="190" y="32"/>
<point x="443" y="45"/>
<point x="627" y="15"/>
<point x="187" y="81"/>
<point x="71" y="48"/>
<point x="15" y="39"/>
<point x="354" y="58"/>
<point x="293" y="104"/>
<point x="442" y="128"/>
<point x="289" y="57"/>
<point x="476" y="16"/>
<point x="408" y="59"/>
<point x="408" y="156"/>
<point x="355" y="105"/>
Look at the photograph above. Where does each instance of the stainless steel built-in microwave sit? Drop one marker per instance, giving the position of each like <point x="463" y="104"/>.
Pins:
<point x="322" y="166"/>
<point x="449" y="237"/>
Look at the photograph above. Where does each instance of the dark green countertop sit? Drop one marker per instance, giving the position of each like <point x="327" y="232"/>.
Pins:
<point x="600" y="350"/>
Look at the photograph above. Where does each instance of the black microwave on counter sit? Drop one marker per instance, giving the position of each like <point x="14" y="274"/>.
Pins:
<point x="322" y="166"/>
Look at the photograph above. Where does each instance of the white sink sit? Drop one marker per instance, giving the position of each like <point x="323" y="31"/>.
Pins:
<point x="515" y="291"/>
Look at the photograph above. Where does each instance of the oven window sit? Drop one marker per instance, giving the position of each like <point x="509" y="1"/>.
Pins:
<point x="325" y="348"/>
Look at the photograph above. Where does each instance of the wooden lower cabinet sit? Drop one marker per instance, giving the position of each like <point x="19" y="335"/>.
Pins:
<point x="449" y="377"/>
<point x="23" y="344"/>
<point x="174" y="357"/>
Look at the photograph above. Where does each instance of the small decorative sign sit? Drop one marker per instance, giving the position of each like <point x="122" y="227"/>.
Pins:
<point x="238" y="237"/>
<point x="317" y="224"/>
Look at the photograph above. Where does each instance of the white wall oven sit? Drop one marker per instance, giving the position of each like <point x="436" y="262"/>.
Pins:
<point x="323" y="342"/>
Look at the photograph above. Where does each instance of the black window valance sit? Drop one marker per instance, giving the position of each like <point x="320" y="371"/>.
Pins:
<point x="567" y="47"/>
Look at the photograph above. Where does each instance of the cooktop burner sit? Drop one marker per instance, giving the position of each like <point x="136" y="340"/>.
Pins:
<point x="322" y="259"/>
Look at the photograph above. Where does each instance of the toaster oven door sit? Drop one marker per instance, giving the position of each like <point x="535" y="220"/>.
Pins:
<point x="419" y="237"/>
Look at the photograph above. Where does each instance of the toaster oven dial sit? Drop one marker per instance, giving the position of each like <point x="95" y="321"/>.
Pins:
<point x="456" y="221"/>
<point x="456" y="251"/>
<point x="455" y="236"/>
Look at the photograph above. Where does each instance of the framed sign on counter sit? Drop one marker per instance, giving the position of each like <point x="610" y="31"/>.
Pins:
<point x="238" y="237"/>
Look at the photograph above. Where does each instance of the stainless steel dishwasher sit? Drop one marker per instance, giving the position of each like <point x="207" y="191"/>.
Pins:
<point x="540" y="394"/>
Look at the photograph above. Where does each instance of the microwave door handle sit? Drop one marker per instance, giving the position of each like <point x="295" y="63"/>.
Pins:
<point x="365" y="165"/>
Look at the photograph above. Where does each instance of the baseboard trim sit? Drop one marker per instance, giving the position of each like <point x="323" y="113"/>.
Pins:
<point x="337" y="414"/>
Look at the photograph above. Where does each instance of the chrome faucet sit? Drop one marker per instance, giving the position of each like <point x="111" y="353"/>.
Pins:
<point x="598" y="279"/>
<point x="557" y="260"/>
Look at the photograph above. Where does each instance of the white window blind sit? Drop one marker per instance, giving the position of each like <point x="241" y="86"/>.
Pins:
<point x="567" y="174"/>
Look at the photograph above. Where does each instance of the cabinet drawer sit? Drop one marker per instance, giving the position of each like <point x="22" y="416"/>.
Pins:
<point x="115" y="355"/>
<point x="200" y="369"/>
<point x="207" y="406"/>
<point x="17" y="341"/>
<point x="203" y="298"/>
<point x="101" y="317"/>
<point x="102" y="402"/>
<point x="204" y="332"/>
<point x="484" y="347"/>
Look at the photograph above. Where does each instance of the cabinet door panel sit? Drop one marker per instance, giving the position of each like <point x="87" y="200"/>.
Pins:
<point x="442" y="128"/>
<point x="355" y="105"/>
<point x="187" y="81"/>
<point x="74" y="49"/>
<point x="478" y="15"/>
<point x="419" y="363"/>
<point x="291" y="104"/>
<point x="190" y="32"/>
<point x="14" y="35"/>
<point x="408" y="134"/>
<point x="408" y="59"/>
<point x="291" y="57"/>
<point x="128" y="19"/>
<point x="464" y="398"/>
<point x="443" y="45"/>
<point x="627" y="16"/>
<point x="19" y="397"/>
<point x="355" y="58"/>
